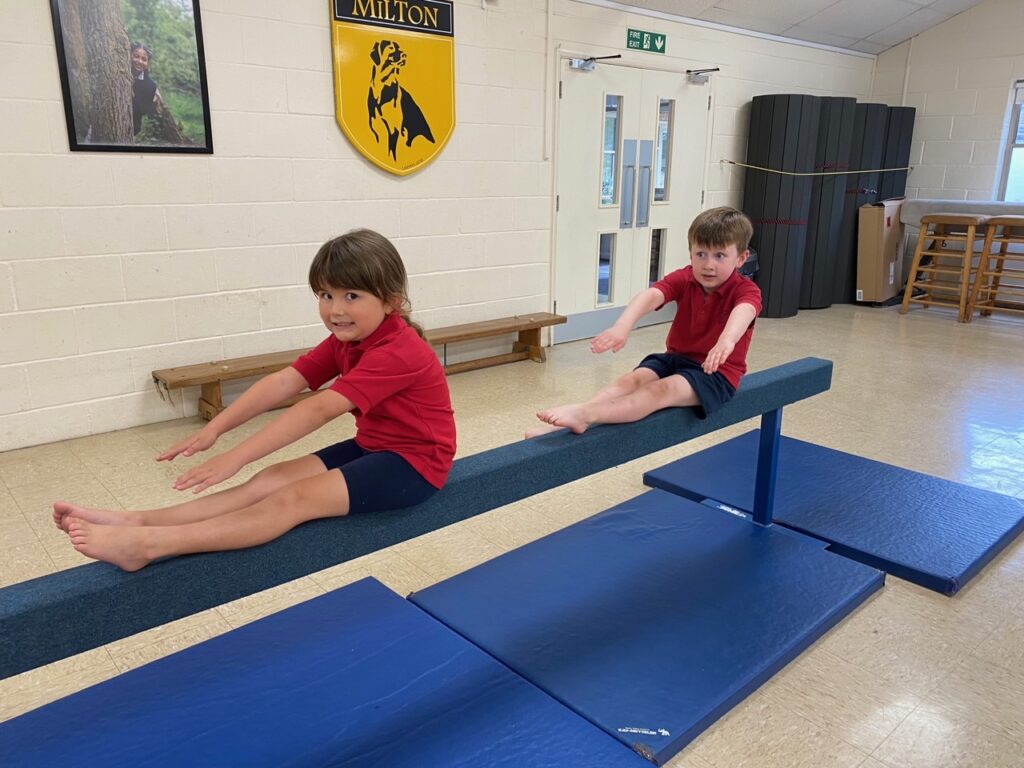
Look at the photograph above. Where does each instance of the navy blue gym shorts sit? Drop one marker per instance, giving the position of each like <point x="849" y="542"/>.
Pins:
<point x="377" y="480"/>
<point x="714" y="390"/>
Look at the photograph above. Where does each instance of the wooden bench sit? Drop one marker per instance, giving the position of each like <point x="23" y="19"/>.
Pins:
<point x="210" y="376"/>
<point x="526" y="347"/>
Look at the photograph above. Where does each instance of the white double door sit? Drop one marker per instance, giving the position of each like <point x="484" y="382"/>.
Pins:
<point x="632" y="148"/>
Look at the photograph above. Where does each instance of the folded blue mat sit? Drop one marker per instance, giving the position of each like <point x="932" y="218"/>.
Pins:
<point x="358" y="677"/>
<point x="924" y="529"/>
<point x="656" y="617"/>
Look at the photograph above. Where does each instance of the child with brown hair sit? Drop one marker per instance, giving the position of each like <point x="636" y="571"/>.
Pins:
<point x="707" y="342"/>
<point x="384" y="373"/>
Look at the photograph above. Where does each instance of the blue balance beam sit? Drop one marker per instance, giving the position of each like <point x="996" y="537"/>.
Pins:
<point x="65" y="613"/>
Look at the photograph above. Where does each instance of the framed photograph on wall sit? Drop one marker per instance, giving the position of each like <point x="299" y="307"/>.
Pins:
<point x="133" y="75"/>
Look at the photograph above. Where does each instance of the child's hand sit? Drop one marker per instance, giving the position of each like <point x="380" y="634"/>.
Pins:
<point x="216" y="470"/>
<point x="196" y="443"/>
<point x="612" y="339"/>
<point x="718" y="355"/>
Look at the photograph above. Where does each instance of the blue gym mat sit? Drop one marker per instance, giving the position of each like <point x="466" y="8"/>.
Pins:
<point x="930" y="531"/>
<point x="654" y="618"/>
<point x="357" y="677"/>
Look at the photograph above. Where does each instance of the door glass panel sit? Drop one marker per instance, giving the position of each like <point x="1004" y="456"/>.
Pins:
<point x="605" y="267"/>
<point x="663" y="153"/>
<point x="657" y="263"/>
<point x="610" y="149"/>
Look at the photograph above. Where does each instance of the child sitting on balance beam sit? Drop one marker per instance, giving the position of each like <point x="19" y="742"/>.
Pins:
<point x="707" y="342"/>
<point x="384" y="373"/>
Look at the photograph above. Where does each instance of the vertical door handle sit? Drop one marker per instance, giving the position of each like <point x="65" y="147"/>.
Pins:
<point x="628" y="183"/>
<point x="643" y="204"/>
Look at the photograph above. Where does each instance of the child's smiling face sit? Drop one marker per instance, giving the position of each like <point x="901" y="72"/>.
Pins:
<point x="140" y="60"/>
<point x="349" y="314"/>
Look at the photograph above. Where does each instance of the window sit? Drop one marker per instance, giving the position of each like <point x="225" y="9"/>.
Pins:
<point x="1011" y="186"/>
<point x="605" y="267"/>
<point x="610" y="149"/>
<point x="656" y="266"/>
<point x="666" y="109"/>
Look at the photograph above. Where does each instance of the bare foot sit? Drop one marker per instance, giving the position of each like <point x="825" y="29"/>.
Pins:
<point x="121" y="545"/>
<point x="571" y="416"/>
<point x="538" y="431"/>
<point x="62" y="510"/>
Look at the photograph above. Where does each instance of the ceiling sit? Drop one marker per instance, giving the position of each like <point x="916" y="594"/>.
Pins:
<point x="869" y="26"/>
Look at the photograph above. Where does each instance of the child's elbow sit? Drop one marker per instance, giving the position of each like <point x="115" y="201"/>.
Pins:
<point x="330" y="405"/>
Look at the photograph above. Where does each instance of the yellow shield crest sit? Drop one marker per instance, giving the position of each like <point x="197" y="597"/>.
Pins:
<point x="394" y="79"/>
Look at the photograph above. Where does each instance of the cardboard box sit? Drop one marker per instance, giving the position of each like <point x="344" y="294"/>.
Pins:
<point x="880" y="251"/>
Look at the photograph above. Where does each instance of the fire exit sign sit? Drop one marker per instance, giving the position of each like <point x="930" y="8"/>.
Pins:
<point x="639" y="40"/>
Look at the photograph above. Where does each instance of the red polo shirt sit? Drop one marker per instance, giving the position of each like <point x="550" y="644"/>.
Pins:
<point x="701" y="318"/>
<point x="400" y="392"/>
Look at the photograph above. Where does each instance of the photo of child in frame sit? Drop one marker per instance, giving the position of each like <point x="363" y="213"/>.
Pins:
<point x="111" y="55"/>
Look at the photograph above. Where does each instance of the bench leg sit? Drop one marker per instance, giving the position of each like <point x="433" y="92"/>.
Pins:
<point x="529" y="342"/>
<point x="210" y="402"/>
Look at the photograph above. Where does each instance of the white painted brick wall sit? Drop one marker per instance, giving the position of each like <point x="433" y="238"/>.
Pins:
<point x="6" y="289"/>
<point x="221" y="314"/>
<point x="113" y="265"/>
<point x="250" y="180"/>
<point x="946" y="152"/>
<point x="25" y="127"/>
<point x="286" y="307"/>
<point x="27" y="71"/>
<point x="961" y="75"/>
<point x="167" y="274"/>
<point x="154" y="179"/>
<point x="51" y="283"/>
<point x="83" y="377"/>
<point x="264" y="267"/>
<point x="125" y="326"/>
<point x="14" y="389"/>
<point x="428" y="217"/>
<point x="27" y="233"/>
<point x="55" y="180"/>
<point x="272" y="340"/>
<point x="28" y="336"/>
<point x="114" y="229"/>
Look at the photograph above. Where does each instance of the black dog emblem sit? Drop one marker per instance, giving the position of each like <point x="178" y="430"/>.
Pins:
<point x="389" y="104"/>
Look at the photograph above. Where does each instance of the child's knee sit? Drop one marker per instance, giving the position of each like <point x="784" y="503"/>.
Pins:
<point x="268" y="481"/>
<point x="662" y="389"/>
<point x="272" y="475"/>
<point x="286" y="498"/>
<point x="672" y="390"/>
<point x="626" y="379"/>
<point x="634" y="379"/>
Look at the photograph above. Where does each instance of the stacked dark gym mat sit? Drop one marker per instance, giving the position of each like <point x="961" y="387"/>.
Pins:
<point x="805" y="227"/>
<point x="828" y="198"/>
<point x="783" y="135"/>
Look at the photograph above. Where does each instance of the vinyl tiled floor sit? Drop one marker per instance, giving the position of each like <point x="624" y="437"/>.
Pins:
<point x="911" y="679"/>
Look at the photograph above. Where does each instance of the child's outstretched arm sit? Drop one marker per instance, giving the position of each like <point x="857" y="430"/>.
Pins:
<point x="740" y="318"/>
<point x="615" y="337"/>
<point x="264" y="395"/>
<point x="298" y="421"/>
